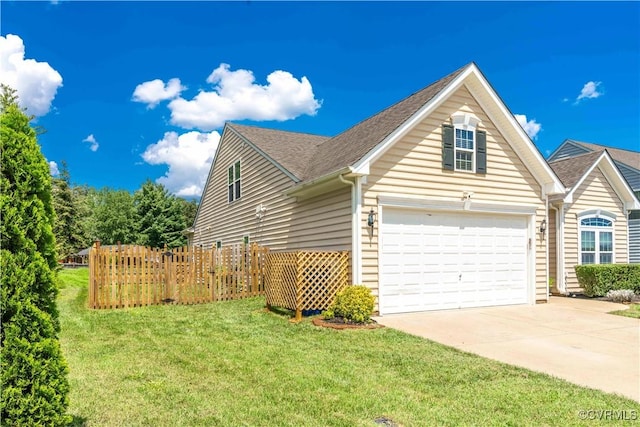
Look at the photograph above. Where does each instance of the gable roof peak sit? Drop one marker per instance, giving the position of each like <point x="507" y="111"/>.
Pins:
<point x="354" y="143"/>
<point x="289" y="151"/>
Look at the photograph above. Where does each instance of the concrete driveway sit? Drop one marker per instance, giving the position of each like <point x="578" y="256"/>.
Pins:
<point x="569" y="338"/>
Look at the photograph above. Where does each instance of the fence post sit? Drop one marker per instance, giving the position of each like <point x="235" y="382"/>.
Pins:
<point x="93" y="283"/>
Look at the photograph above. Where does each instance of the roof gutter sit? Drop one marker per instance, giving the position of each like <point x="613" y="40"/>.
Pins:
<point x="301" y="188"/>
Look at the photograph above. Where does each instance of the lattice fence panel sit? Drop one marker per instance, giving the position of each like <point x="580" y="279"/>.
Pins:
<point x="305" y="280"/>
<point x="280" y="279"/>
<point x="323" y="275"/>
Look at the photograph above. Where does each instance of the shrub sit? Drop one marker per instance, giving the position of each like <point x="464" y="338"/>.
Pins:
<point x="621" y="295"/>
<point x="353" y="304"/>
<point x="598" y="279"/>
<point x="33" y="373"/>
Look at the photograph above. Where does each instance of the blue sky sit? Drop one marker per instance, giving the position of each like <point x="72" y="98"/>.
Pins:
<point x="135" y="90"/>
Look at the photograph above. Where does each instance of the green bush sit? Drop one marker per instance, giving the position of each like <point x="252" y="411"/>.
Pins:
<point x="598" y="279"/>
<point x="33" y="373"/>
<point x="353" y="304"/>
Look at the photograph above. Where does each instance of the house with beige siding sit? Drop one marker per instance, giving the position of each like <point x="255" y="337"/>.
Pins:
<point x="628" y="163"/>
<point x="441" y="198"/>
<point x="590" y="223"/>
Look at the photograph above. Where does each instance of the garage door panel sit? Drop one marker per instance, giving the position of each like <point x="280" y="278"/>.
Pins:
<point x="438" y="261"/>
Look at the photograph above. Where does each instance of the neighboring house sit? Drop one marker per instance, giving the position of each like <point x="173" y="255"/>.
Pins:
<point x="588" y="225"/>
<point x="628" y="162"/>
<point x="439" y="198"/>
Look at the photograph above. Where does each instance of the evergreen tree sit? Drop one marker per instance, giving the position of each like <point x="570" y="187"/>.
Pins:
<point x="114" y="217"/>
<point x="161" y="217"/>
<point x="66" y="228"/>
<point x="34" y="386"/>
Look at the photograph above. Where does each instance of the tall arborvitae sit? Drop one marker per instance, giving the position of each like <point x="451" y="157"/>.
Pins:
<point x="34" y="386"/>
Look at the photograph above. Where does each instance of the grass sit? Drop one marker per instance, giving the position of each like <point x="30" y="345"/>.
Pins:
<point x="233" y="364"/>
<point x="632" y="311"/>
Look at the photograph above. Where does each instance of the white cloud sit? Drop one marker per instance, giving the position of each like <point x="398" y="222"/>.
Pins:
<point x="92" y="140"/>
<point x="589" y="90"/>
<point x="35" y="82"/>
<point x="531" y="127"/>
<point x="53" y="168"/>
<point x="189" y="158"/>
<point x="236" y="96"/>
<point x="154" y="91"/>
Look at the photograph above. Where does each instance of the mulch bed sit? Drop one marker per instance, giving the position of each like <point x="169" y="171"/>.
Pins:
<point x="340" y="323"/>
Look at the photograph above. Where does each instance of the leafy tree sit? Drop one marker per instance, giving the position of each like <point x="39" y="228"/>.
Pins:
<point x="34" y="386"/>
<point x="114" y="217"/>
<point x="67" y="227"/>
<point x="189" y="210"/>
<point x="161" y="217"/>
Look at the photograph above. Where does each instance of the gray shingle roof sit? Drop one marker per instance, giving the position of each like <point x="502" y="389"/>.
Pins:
<point x="309" y="156"/>
<point x="571" y="169"/>
<point x="292" y="150"/>
<point x="351" y="145"/>
<point x="628" y="157"/>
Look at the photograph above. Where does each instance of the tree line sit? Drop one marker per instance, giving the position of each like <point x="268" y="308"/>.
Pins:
<point x="42" y="220"/>
<point x="150" y="216"/>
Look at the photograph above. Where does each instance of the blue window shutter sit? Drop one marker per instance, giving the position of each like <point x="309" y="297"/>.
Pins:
<point x="447" y="147"/>
<point x="481" y="152"/>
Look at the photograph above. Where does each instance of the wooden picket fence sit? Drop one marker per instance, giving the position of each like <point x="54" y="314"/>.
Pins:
<point x="132" y="276"/>
<point x="304" y="280"/>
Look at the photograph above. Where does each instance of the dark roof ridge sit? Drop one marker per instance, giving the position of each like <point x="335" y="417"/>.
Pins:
<point x="578" y="156"/>
<point x="234" y="124"/>
<point x="356" y="141"/>
<point x="400" y="101"/>
<point x="602" y="145"/>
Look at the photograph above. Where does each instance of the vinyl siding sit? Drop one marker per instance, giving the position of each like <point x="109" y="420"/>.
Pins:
<point x="634" y="241"/>
<point x="553" y="248"/>
<point x="322" y="222"/>
<point x="413" y="167"/>
<point x="568" y="149"/>
<point x="631" y="175"/>
<point x="595" y="192"/>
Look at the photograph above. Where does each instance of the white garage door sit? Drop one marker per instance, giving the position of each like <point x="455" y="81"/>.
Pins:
<point x="433" y="261"/>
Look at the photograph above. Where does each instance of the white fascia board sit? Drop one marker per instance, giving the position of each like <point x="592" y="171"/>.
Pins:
<point x="455" y="205"/>
<point x="301" y="188"/>
<point x="568" y="198"/>
<point x="550" y="189"/>
<point x="428" y="108"/>
<point x="618" y="182"/>
<point x="615" y="178"/>
<point x="542" y="172"/>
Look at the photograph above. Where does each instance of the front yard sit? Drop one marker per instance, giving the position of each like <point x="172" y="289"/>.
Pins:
<point x="233" y="364"/>
<point x="632" y="311"/>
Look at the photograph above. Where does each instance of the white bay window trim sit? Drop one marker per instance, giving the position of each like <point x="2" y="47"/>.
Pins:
<point x="596" y="237"/>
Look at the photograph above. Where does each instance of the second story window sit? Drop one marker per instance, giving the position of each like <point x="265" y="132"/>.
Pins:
<point x="464" y="150"/>
<point x="234" y="182"/>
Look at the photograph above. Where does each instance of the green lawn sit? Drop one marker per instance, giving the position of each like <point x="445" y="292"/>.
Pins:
<point x="632" y="311"/>
<point x="233" y="364"/>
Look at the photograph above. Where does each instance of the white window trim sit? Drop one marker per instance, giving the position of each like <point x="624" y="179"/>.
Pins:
<point x="597" y="230"/>
<point x="468" y="122"/>
<point x="233" y="167"/>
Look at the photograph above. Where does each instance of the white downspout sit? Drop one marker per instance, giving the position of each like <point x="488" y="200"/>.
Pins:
<point x="546" y="242"/>
<point x="356" y="234"/>
<point x="562" y="277"/>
